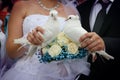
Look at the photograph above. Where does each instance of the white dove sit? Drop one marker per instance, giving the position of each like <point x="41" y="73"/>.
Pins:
<point x="74" y="30"/>
<point x="51" y="30"/>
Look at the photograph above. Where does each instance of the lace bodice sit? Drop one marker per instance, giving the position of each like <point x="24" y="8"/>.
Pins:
<point x="32" y="21"/>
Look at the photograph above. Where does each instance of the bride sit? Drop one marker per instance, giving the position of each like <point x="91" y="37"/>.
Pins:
<point x="26" y="15"/>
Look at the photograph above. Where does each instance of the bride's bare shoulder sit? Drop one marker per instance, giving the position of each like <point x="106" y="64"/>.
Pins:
<point x="23" y="4"/>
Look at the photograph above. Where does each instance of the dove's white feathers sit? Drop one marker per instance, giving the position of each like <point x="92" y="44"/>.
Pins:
<point x="74" y="31"/>
<point x="73" y="28"/>
<point x="51" y="29"/>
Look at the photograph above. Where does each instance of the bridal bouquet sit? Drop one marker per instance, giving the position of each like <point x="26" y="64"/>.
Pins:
<point x="61" y="48"/>
<point x="59" y="45"/>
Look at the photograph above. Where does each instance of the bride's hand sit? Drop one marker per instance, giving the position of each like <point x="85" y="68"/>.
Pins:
<point x="34" y="37"/>
<point x="92" y="42"/>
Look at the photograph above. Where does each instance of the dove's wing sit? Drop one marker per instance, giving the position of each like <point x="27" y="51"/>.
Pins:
<point x="74" y="30"/>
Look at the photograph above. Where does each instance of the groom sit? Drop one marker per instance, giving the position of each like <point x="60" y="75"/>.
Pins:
<point x="109" y="31"/>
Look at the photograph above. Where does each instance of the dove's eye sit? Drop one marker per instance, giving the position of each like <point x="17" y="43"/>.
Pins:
<point x="69" y="17"/>
<point x="52" y="15"/>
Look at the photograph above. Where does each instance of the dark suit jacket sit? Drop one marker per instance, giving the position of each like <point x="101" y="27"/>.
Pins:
<point x="110" y="33"/>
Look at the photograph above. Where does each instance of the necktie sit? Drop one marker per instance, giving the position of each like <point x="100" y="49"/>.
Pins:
<point x="101" y="16"/>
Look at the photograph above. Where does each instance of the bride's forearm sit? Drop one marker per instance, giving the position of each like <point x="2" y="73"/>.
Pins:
<point x="12" y="50"/>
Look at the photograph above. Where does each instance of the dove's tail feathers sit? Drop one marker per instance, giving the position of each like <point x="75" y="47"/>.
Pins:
<point x="105" y="55"/>
<point x="21" y="41"/>
<point x="31" y="51"/>
<point x="21" y="47"/>
<point x="17" y="41"/>
<point x="24" y="42"/>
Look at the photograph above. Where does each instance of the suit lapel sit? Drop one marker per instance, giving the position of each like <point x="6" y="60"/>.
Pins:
<point x="84" y="10"/>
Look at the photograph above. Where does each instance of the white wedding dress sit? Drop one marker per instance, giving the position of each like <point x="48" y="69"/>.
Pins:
<point x="32" y="69"/>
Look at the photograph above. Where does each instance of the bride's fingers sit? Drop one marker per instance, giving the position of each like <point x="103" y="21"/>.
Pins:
<point x="39" y="29"/>
<point x="33" y="37"/>
<point x="38" y="36"/>
<point x="30" y="37"/>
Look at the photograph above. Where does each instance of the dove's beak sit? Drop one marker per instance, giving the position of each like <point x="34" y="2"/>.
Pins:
<point x="67" y="19"/>
<point x="54" y="17"/>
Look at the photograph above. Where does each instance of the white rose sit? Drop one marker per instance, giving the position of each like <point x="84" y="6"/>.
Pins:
<point x="44" y="50"/>
<point x="72" y="48"/>
<point x="62" y="39"/>
<point x="54" y="50"/>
